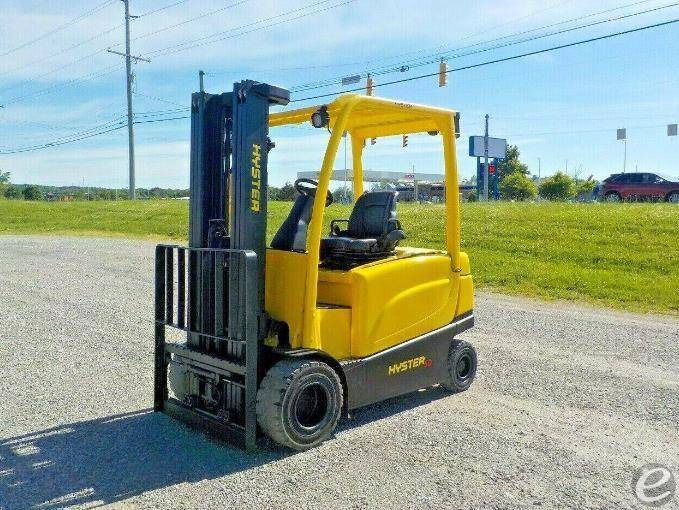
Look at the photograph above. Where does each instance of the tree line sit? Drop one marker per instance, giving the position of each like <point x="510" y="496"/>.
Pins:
<point x="36" y="192"/>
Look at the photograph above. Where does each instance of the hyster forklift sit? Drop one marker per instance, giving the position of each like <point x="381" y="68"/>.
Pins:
<point x="285" y="339"/>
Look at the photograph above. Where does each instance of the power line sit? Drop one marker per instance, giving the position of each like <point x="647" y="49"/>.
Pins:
<point x="61" y="52"/>
<point x="512" y="21"/>
<point x="219" y="36"/>
<point x="82" y="43"/>
<point x="74" y="81"/>
<point x="156" y="98"/>
<point x="407" y="65"/>
<point x="181" y="23"/>
<point x="499" y="60"/>
<point x="59" y="28"/>
<point x="104" y="71"/>
<point x="84" y="135"/>
<point x="160" y="9"/>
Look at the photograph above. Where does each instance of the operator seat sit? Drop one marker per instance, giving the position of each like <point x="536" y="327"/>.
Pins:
<point x="373" y="231"/>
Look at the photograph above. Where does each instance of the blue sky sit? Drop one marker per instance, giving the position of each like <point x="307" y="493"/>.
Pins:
<point x="563" y="107"/>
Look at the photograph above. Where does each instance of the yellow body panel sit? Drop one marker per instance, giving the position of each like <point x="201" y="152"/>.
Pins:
<point x="284" y="290"/>
<point x="355" y="313"/>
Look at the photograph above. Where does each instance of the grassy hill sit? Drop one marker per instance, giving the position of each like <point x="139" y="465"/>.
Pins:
<point x="621" y="255"/>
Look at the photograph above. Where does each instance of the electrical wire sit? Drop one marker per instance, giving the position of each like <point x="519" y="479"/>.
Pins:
<point x="160" y="9"/>
<point x="74" y="81"/>
<point x="500" y="60"/>
<point x="182" y="23"/>
<point x="59" y="28"/>
<point x="84" y="135"/>
<point x="408" y="65"/>
<point x="220" y="36"/>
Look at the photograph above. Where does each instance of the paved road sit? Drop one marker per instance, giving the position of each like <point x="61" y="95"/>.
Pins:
<point x="569" y="401"/>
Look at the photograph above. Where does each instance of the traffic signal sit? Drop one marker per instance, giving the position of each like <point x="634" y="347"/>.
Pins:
<point x="405" y="140"/>
<point x="369" y="85"/>
<point x="443" y="73"/>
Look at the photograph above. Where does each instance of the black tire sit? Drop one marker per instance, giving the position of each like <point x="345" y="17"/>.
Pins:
<point x="462" y="362"/>
<point x="299" y="403"/>
<point x="673" y="197"/>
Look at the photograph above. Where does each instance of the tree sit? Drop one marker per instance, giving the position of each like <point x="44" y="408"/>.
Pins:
<point x="511" y="164"/>
<point x="287" y="192"/>
<point x="517" y="186"/>
<point x="559" y="186"/>
<point x="12" y="192"/>
<point x="585" y="187"/>
<point x="31" y="192"/>
<point x="4" y="181"/>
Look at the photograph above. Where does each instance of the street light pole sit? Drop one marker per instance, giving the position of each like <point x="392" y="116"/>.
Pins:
<point x="485" y="166"/>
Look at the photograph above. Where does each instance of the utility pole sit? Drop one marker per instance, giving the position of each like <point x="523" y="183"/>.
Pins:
<point x="624" y="162"/>
<point x="485" y="166"/>
<point x="130" y="79"/>
<point x="201" y="74"/>
<point x="539" y="168"/>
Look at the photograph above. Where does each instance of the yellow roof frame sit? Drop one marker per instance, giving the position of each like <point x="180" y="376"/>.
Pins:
<point x="366" y="117"/>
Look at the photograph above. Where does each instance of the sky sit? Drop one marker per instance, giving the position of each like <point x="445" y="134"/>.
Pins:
<point x="561" y="108"/>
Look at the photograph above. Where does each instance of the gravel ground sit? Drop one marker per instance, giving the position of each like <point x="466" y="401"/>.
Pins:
<point x="569" y="402"/>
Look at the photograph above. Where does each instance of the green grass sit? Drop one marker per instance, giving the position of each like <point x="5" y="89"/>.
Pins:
<point x="619" y="255"/>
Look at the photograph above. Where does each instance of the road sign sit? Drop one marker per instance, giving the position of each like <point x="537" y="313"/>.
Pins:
<point x="497" y="147"/>
<point x="348" y="80"/>
<point x="671" y="130"/>
<point x="622" y="134"/>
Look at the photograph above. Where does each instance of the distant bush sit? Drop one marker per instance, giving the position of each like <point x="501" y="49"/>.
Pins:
<point x="32" y="193"/>
<point x="585" y="187"/>
<point x="517" y="186"/>
<point x="12" y="192"/>
<point x="559" y="186"/>
<point x="471" y="196"/>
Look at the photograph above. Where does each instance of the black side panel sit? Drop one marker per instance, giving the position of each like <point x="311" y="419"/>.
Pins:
<point x="408" y="367"/>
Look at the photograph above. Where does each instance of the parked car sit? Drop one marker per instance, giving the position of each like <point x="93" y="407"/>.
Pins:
<point x="638" y="185"/>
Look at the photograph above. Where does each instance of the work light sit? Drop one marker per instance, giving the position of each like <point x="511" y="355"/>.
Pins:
<point x="320" y="118"/>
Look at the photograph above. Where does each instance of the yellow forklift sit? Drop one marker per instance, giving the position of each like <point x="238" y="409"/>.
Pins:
<point x="284" y="339"/>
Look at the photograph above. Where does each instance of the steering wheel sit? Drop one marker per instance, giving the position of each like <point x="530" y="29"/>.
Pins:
<point x="308" y="187"/>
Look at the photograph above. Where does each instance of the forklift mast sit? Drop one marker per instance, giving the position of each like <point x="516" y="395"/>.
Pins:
<point x="228" y="181"/>
<point x="218" y="297"/>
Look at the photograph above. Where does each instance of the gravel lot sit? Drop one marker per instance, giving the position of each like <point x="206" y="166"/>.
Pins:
<point x="569" y="402"/>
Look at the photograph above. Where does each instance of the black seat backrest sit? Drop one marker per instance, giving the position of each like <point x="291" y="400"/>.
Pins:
<point x="291" y="235"/>
<point x="371" y="215"/>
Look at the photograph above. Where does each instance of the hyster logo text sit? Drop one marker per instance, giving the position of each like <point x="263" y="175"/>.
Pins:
<point x="409" y="364"/>
<point x="256" y="187"/>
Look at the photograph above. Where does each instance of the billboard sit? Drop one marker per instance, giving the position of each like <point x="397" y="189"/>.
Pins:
<point x="497" y="147"/>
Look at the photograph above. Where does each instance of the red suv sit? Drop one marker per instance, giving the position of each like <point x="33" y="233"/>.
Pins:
<point x="619" y="187"/>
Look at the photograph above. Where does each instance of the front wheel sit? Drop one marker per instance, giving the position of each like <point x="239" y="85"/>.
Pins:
<point x="461" y="366"/>
<point x="613" y="196"/>
<point x="299" y="403"/>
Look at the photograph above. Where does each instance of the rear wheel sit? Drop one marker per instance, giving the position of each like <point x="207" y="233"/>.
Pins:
<point x="299" y="403"/>
<point x="613" y="196"/>
<point x="461" y="366"/>
<point x="673" y="197"/>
